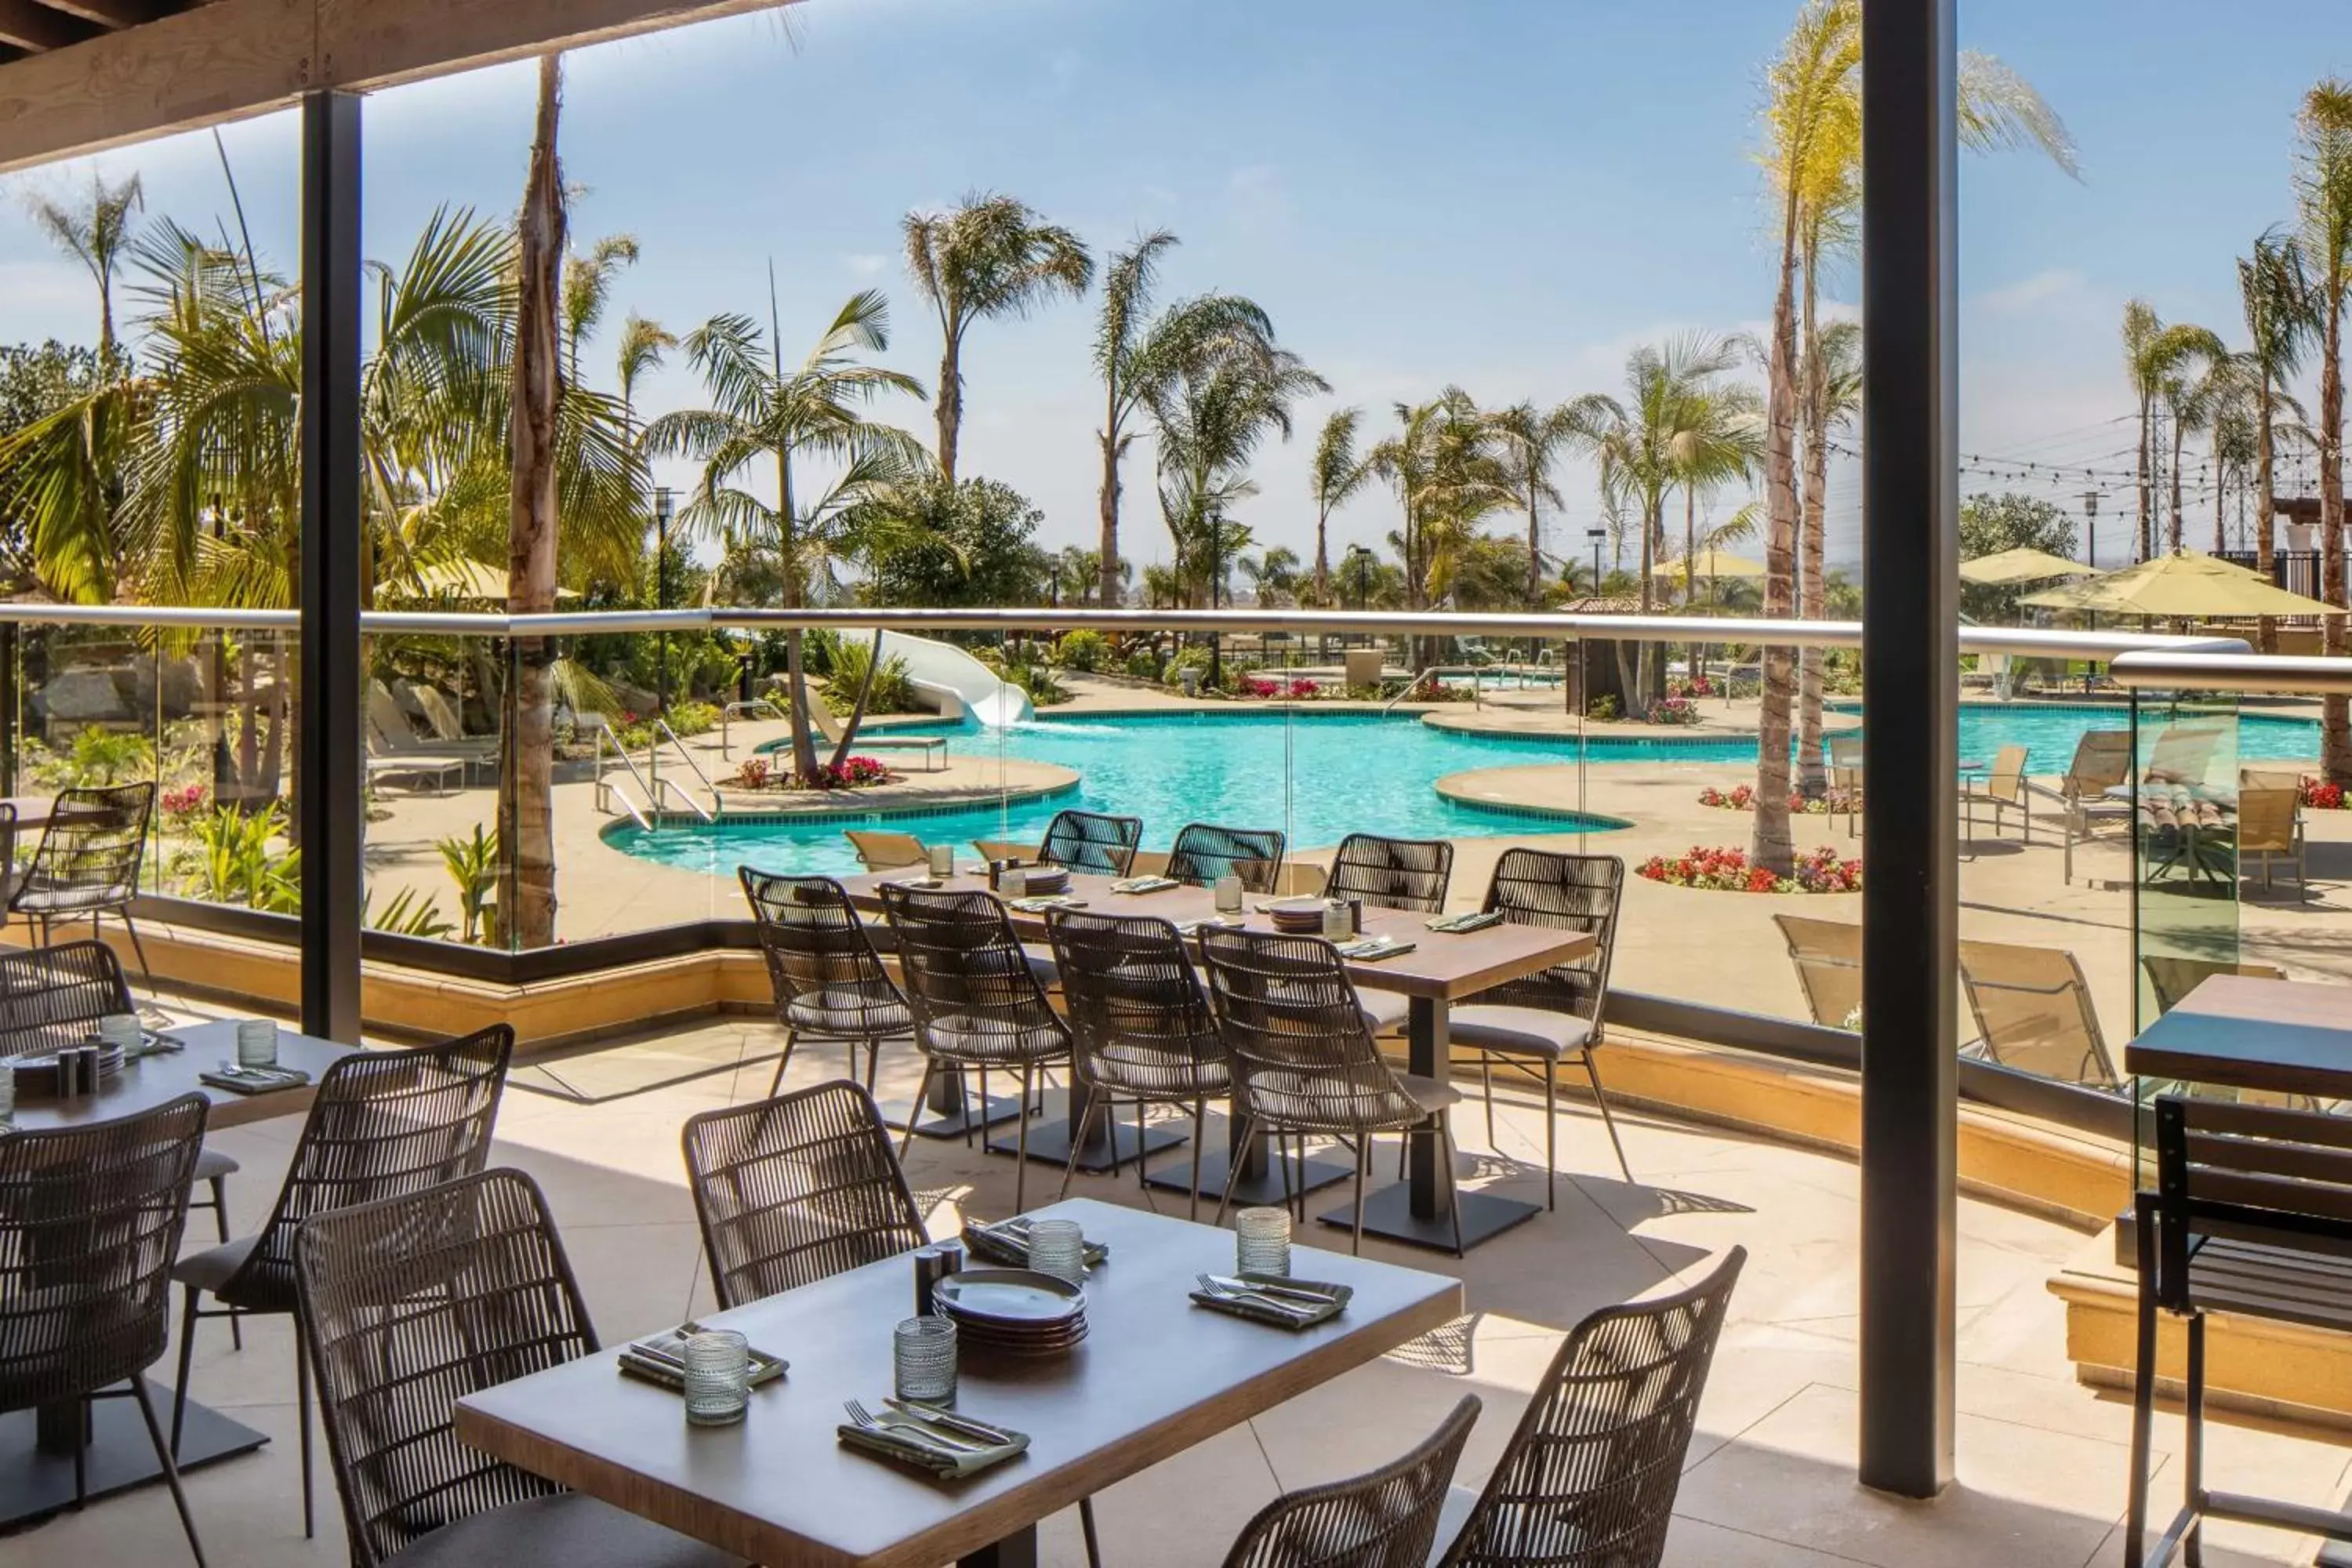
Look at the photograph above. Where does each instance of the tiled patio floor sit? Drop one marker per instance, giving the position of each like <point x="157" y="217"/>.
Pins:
<point x="1771" y="1482"/>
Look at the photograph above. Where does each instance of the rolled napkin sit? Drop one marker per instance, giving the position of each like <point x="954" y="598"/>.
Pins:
<point x="1007" y="1241"/>
<point x="1144" y="884"/>
<point x="661" y="1358"/>
<point x="1476" y="920"/>
<point x="948" y="1446"/>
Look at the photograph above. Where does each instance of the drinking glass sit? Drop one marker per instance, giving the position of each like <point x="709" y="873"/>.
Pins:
<point x="256" y="1042"/>
<point x="1058" y="1246"/>
<point x="1262" y="1241"/>
<point x="1013" y="883"/>
<point x="923" y="1360"/>
<point x="942" y="859"/>
<point x="718" y="1377"/>
<point x="7" y="1093"/>
<point x="1335" y="921"/>
<point x="1229" y="895"/>
<point x="120" y="1029"/>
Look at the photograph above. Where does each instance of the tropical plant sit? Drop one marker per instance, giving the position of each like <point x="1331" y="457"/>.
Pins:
<point x="1273" y="574"/>
<point x="1083" y="650"/>
<point x="2323" y="196"/>
<point x="1528" y="441"/>
<point x="1137" y="355"/>
<point x="1811" y="155"/>
<point x="2275" y="291"/>
<point x="233" y="861"/>
<point x="98" y="233"/>
<point x="2159" y="357"/>
<point x="1442" y="465"/>
<point x="764" y="416"/>
<point x="1833" y="393"/>
<point x="988" y="257"/>
<point x="102" y="756"/>
<point x="1336" y="475"/>
<point x="2196" y="387"/>
<point x="473" y="864"/>
<point x="410" y="913"/>
<point x="967" y="542"/>
<point x="885" y="688"/>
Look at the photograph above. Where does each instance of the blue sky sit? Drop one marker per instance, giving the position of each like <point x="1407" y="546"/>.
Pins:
<point x="1503" y="193"/>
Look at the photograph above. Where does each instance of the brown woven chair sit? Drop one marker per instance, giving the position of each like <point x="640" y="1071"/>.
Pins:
<point x="384" y="1123"/>
<point x="1203" y="852"/>
<point x="87" y="862"/>
<point x="977" y="1004"/>
<point x="796" y="1189"/>
<point x="90" y="1221"/>
<point x="1090" y="841"/>
<point x="829" y="983"/>
<point x="1384" y="1519"/>
<point x="1588" y="1479"/>
<point x="1142" y="1026"/>
<point x="1302" y="1057"/>
<point x="1555" y="1014"/>
<point x="54" y="997"/>
<point x="407" y="1305"/>
<point x="1394" y="873"/>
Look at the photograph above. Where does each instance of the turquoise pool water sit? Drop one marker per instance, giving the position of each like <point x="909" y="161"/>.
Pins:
<point x="1318" y="776"/>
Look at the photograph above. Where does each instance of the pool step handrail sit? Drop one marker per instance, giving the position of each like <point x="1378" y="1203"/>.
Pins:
<point x="1472" y="670"/>
<point x="718" y="806"/>
<point x="607" y="792"/>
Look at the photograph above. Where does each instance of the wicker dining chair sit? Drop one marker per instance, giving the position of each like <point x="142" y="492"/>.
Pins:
<point x="1384" y="1519"/>
<point x="1141" y="1028"/>
<point x="54" y="997"/>
<point x="1394" y="873"/>
<point x="87" y="862"/>
<point x="829" y="983"/>
<point x="406" y="1305"/>
<point x="977" y="1003"/>
<point x="90" y="1219"/>
<point x="1203" y="852"/>
<point x="1091" y="841"/>
<point x="796" y="1189"/>
<point x="1553" y="1014"/>
<point x="1302" y="1056"/>
<point x="384" y="1123"/>
<point x="1588" y="1479"/>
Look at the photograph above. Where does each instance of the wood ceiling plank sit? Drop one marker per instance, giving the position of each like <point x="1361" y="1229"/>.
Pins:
<point x="366" y="44"/>
<point x="37" y="28"/>
<point x="115" y="14"/>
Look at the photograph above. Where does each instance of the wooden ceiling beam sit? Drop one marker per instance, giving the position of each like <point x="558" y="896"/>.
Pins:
<point x="37" y="28"/>
<point x="234" y="59"/>
<point x="115" y="14"/>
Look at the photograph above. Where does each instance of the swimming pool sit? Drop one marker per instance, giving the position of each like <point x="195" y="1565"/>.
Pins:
<point x="1318" y="776"/>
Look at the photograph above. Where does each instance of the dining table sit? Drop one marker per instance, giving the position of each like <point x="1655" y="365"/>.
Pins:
<point x="1441" y="969"/>
<point x="1154" y="1375"/>
<point x="38" y="1447"/>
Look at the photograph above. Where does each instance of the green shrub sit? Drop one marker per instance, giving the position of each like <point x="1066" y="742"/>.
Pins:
<point x="1038" y="681"/>
<point x="407" y="915"/>
<point x="691" y="718"/>
<point x="473" y="864"/>
<point x="1081" y="650"/>
<point x="231" y="862"/>
<point x="893" y="689"/>
<point x="1143" y="664"/>
<point x="103" y="756"/>
<point x="1194" y="658"/>
<point x="1603" y="709"/>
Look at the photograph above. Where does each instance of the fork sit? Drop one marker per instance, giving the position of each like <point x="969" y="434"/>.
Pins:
<point x="1227" y="1293"/>
<point x="922" y="1430"/>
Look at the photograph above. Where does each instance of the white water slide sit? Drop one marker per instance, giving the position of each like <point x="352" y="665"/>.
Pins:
<point x="951" y="679"/>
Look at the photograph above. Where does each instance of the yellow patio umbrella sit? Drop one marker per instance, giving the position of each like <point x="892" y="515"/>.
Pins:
<point x="468" y="579"/>
<point x="2010" y="567"/>
<point x="2184" y="586"/>
<point x="1711" y="563"/>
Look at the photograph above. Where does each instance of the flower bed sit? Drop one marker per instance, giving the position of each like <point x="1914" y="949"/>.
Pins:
<point x="1727" y="870"/>
<point x="1674" y="710"/>
<point x="1742" y="797"/>
<point x="2321" y="796"/>
<point x="855" y="772"/>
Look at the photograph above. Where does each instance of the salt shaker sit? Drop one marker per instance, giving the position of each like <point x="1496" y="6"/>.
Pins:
<point x="930" y="1267"/>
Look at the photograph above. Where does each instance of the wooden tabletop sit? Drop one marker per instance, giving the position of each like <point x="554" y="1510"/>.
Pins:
<point x="2292" y="1035"/>
<point x="1443" y="966"/>
<point x="152" y="1082"/>
<point x="1154" y="1376"/>
<point x="32" y="810"/>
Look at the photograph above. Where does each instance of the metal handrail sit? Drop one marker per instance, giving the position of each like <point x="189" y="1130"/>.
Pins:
<point x="2291" y="674"/>
<point x="606" y="793"/>
<point x="718" y="806"/>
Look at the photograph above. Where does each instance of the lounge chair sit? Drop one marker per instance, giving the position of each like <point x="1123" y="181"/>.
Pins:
<point x="1845" y="772"/>
<point x="2172" y="979"/>
<point x="2183" y="753"/>
<point x="2033" y="1012"/>
<point x="395" y="750"/>
<point x="2102" y="759"/>
<point x="1828" y="956"/>
<point x="871" y="739"/>
<point x="2270" y="828"/>
<point x="2003" y="790"/>
<point x="882" y="851"/>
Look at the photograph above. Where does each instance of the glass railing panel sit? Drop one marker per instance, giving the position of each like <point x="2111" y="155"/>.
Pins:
<point x="432" y="710"/>
<point x="2186" y="821"/>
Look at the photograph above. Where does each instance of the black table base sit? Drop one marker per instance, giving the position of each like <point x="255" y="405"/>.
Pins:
<point x="953" y="1110"/>
<point x="1016" y="1551"/>
<point x="36" y="1479"/>
<point x="1391" y="1213"/>
<point x="1259" y="1184"/>
<point x="1110" y="1143"/>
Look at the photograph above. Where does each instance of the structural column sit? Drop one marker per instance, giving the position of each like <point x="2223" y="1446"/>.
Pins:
<point x="330" y="759"/>
<point x="1910" y="688"/>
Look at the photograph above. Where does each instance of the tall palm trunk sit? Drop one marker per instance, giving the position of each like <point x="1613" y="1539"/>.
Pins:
<point x="2336" y="712"/>
<point x="1813" y="780"/>
<point x="2265" y="558"/>
<point x="1535" y="540"/>
<point x="950" y="408"/>
<point x="2172" y="529"/>
<point x="2221" y="491"/>
<point x="795" y="651"/>
<point x="857" y="711"/>
<point x="531" y="523"/>
<point x="1771" y="845"/>
<point x="1323" y="555"/>
<point x="2147" y="494"/>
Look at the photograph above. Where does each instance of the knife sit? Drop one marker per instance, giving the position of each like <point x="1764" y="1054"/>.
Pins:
<point x="1310" y="1297"/>
<point x="959" y="1425"/>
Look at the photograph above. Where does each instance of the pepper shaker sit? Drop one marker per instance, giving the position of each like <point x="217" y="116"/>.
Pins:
<point x="930" y="1267"/>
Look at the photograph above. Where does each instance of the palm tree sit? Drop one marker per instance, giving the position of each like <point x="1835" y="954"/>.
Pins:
<point x="2157" y="356"/>
<point x="1832" y="400"/>
<point x="988" y="257"/>
<point x="1812" y="135"/>
<point x="2194" y="384"/>
<point x="1444" y="466"/>
<point x="2276" y="295"/>
<point x="2324" y="194"/>
<point x="1530" y="441"/>
<point x="1137" y="356"/>
<point x="763" y="414"/>
<point x="588" y="292"/>
<point x="98" y="233"/>
<point x="1273" y="574"/>
<point x="1335" y="474"/>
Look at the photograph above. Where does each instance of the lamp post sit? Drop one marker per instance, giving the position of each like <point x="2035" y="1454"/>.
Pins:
<point x="664" y="505"/>
<point x="1596" y="535"/>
